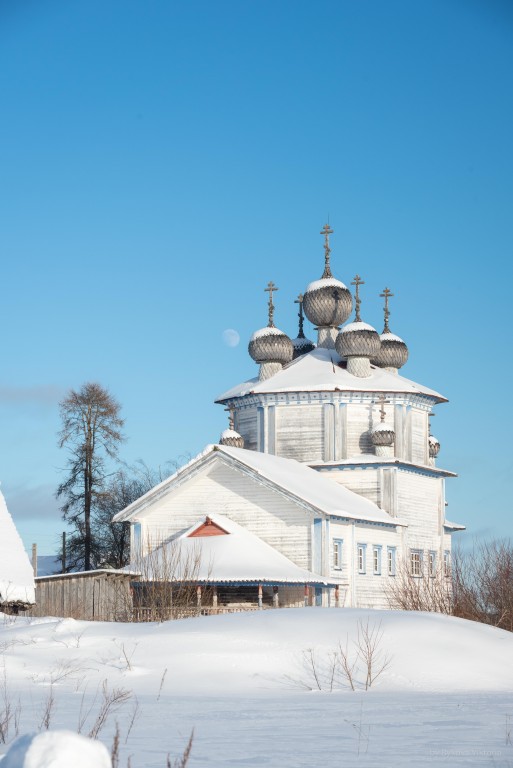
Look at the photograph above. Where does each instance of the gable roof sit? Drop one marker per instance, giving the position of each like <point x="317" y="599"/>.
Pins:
<point x="320" y="371"/>
<point x="238" y="557"/>
<point x="16" y="575"/>
<point x="302" y="485"/>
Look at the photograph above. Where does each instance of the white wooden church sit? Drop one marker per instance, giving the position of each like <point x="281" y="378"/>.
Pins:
<point x="325" y="486"/>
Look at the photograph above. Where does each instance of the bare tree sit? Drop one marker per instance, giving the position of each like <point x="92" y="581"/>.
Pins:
<point x="91" y="431"/>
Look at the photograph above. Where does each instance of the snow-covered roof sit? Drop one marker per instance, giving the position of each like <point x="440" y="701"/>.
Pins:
<point x="235" y="557"/>
<point x="269" y="330"/>
<point x="296" y="481"/>
<point x="358" y="325"/>
<point x="454" y="526"/>
<point x="363" y="459"/>
<point x="319" y="371"/>
<point x="16" y="575"/>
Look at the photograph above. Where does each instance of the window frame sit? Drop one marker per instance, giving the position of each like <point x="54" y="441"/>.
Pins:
<point x="361" y="555"/>
<point x="337" y="545"/>
<point x="391" y="560"/>
<point x="376" y="559"/>
<point x="432" y="563"/>
<point x="447" y="563"/>
<point x="416" y="559"/>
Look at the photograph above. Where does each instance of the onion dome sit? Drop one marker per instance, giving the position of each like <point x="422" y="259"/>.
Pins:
<point x="434" y="447"/>
<point x="230" y="436"/>
<point x="382" y="434"/>
<point x="327" y="302"/>
<point x="269" y="346"/>
<point x="301" y="344"/>
<point x="393" y="352"/>
<point x="358" y="339"/>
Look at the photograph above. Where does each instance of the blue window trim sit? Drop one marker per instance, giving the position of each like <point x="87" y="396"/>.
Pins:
<point x="391" y="551"/>
<point x="376" y="568"/>
<point x="447" y="563"/>
<point x="337" y="544"/>
<point x="420" y="553"/>
<point x="363" y="547"/>
<point x="432" y="563"/>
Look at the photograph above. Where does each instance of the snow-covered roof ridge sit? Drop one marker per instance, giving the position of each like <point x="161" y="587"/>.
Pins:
<point x="324" y="282"/>
<point x="298" y="482"/>
<point x="269" y="330"/>
<point x="320" y="371"/>
<point x="237" y="557"/>
<point x="16" y="574"/>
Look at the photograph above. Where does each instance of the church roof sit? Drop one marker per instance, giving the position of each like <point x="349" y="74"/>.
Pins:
<point x="235" y="556"/>
<point x="320" y="371"/>
<point x="292" y="479"/>
<point x="16" y="575"/>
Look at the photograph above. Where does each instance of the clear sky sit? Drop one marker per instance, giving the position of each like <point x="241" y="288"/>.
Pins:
<point x="161" y="161"/>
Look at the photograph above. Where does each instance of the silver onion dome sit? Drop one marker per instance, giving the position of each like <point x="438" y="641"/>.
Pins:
<point x="393" y="352"/>
<point x="301" y="344"/>
<point x="231" y="438"/>
<point x="358" y="339"/>
<point x="434" y="447"/>
<point x="327" y="302"/>
<point x="382" y="434"/>
<point x="270" y="345"/>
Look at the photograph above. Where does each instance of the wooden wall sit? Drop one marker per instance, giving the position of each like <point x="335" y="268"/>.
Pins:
<point x="92" y="596"/>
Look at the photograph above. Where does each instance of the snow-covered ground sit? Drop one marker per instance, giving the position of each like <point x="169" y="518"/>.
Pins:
<point x="246" y="684"/>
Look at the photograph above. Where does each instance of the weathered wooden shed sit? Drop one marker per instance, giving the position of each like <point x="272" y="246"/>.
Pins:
<point x="102" y="595"/>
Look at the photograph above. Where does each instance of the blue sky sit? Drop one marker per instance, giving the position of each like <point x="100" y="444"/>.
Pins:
<point x="160" y="162"/>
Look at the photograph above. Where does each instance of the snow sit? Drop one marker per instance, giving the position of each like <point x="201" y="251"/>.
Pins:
<point x="56" y="749"/>
<point x="267" y="331"/>
<point x="303" y="484"/>
<point x="16" y="575"/>
<point x="387" y="336"/>
<point x="357" y="326"/>
<point x="229" y="433"/>
<point x="242" y="682"/>
<point x="325" y="282"/>
<point x="318" y="371"/>
<point x="237" y="557"/>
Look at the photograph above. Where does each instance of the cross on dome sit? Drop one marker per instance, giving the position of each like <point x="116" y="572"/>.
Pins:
<point x="382" y="401"/>
<point x="386" y="295"/>
<point x="299" y="301"/>
<point x="270" y="288"/>
<point x="357" y="282"/>
<point x="327" y="231"/>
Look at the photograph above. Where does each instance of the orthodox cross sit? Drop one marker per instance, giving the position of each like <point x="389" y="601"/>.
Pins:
<point x="357" y="282"/>
<point x="381" y="401"/>
<point x="271" y="287"/>
<point x="231" y="418"/>
<point x="299" y="301"/>
<point x="386" y="295"/>
<point x="326" y="231"/>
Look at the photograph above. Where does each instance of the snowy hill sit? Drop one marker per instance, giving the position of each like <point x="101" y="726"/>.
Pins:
<point x="247" y="684"/>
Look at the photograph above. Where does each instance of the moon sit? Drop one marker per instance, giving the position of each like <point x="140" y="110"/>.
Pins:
<point x="231" y="338"/>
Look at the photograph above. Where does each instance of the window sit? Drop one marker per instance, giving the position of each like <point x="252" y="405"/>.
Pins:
<point x="416" y="562"/>
<point x="391" y="560"/>
<point x="447" y="563"/>
<point x="337" y="554"/>
<point x="362" y="558"/>
<point x="432" y="563"/>
<point x="376" y="560"/>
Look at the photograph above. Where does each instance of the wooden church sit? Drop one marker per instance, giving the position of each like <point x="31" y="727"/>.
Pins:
<point x="325" y="486"/>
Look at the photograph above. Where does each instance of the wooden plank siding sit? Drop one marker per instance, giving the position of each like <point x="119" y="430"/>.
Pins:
<point x="300" y="432"/>
<point x="224" y="490"/>
<point x="89" y="596"/>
